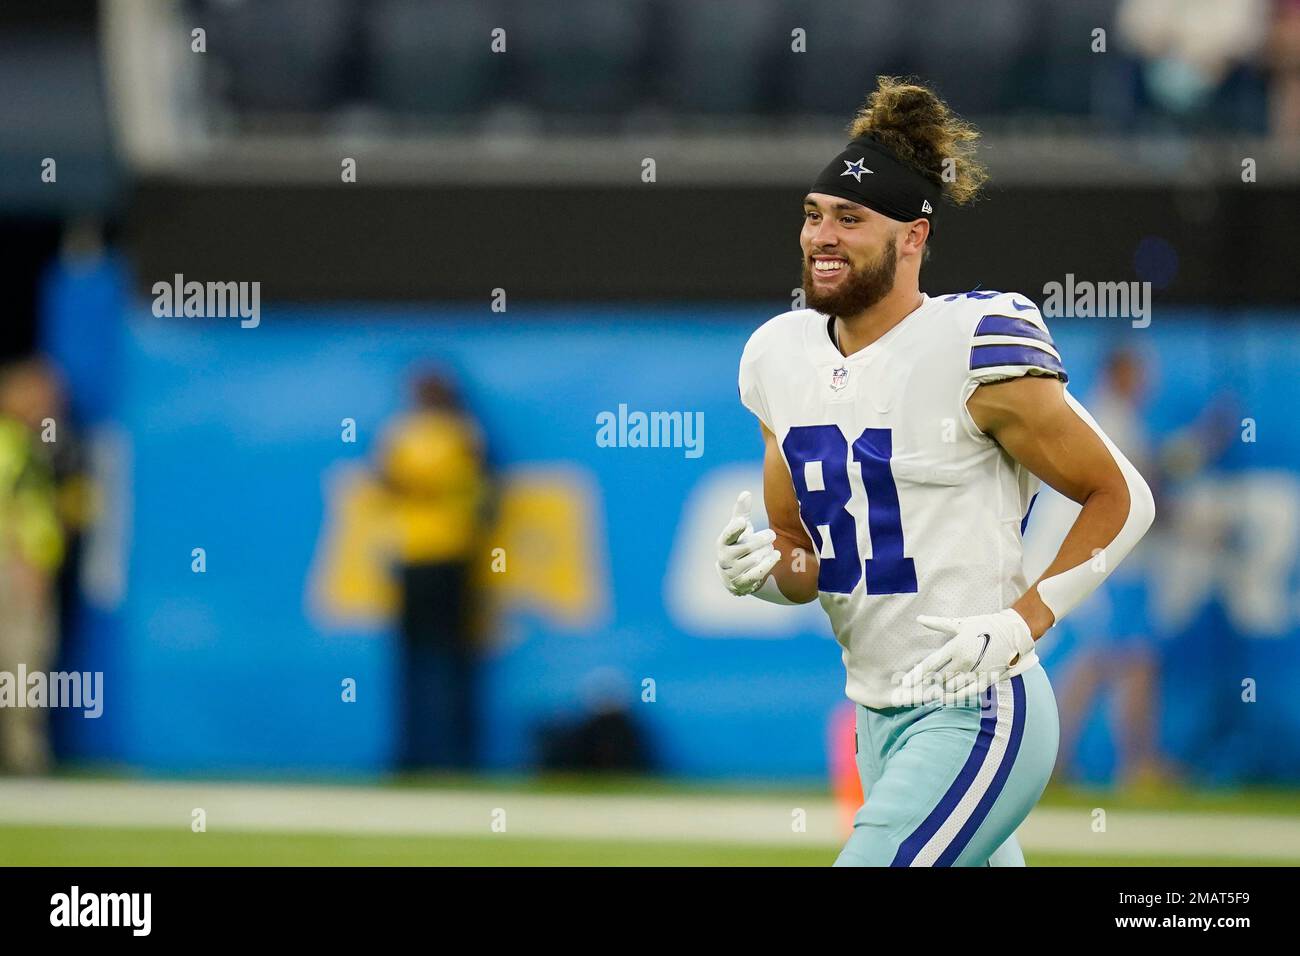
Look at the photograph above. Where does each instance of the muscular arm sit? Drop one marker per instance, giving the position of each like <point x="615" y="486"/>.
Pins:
<point x="1033" y="419"/>
<point x="796" y="573"/>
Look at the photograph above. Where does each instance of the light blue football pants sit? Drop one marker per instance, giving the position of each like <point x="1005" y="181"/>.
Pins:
<point x="947" y="786"/>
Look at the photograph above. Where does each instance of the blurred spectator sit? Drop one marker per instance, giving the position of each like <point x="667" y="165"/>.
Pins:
<point x="432" y="475"/>
<point x="1117" y="646"/>
<point x="31" y="551"/>
<point x="1199" y="58"/>
<point x="1283" y="57"/>
<point x="1119" y="649"/>
<point x="84" y="292"/>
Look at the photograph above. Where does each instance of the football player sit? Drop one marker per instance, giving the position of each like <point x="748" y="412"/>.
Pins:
<point x="904" y="438"/>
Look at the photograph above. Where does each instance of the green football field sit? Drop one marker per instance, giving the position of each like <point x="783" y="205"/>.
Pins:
<point x="68" y="846"/>
<point x="580" y="821"/>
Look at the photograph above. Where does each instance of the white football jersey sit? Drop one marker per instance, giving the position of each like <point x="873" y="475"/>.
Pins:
<point x="912" y="509"/>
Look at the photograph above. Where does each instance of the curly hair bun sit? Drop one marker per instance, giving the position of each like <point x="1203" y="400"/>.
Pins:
<point x="911" y="121"/>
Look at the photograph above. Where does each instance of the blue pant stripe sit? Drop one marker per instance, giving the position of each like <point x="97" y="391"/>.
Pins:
<point x="949" y="856"/>
<point x="919" y="837"/>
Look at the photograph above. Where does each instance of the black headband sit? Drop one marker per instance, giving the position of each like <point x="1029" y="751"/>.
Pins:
<point x="867" y="173"/>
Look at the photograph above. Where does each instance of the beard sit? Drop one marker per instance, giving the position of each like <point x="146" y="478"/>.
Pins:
<point x="858" y="291"/>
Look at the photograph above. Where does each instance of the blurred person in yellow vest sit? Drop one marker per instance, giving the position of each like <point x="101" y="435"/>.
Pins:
<point x="31" y="551"/>
<point x="431" y="469"/>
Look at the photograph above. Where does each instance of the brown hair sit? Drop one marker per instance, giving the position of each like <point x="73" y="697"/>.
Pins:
<point x="917" y="126"/>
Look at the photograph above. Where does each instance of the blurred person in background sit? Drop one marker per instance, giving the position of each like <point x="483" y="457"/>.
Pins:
<point x="83" y="294"/>
<point x="434" y="485"/>
<point x="1117" y="641"/>
<point x="1200" y="59"/>
<point x="31" y="552"/>
<point x="1283" y="58"/>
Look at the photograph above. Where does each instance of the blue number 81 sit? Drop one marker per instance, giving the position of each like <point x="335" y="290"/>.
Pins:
<point x="887" y="571"/>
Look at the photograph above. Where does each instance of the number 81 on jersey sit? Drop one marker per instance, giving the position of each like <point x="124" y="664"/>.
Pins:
<point x="818" y="455"/>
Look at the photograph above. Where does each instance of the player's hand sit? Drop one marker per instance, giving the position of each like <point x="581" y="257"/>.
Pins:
<point x="980" y="653"/>
<point x="745" y="556"/>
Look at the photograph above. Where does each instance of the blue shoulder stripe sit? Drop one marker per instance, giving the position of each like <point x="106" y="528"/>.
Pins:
<point x="991" y="356"/>
<point x="1006" y="325"/>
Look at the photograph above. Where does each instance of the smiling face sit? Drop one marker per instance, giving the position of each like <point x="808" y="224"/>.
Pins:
<point x="849" y="255"/>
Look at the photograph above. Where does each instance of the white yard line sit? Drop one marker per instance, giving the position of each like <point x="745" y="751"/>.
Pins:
<point x="756" y="821"/>
<point x="414" y="812"/>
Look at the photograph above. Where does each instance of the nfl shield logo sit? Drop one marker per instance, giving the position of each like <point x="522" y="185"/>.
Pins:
<point x="839" y="377"/>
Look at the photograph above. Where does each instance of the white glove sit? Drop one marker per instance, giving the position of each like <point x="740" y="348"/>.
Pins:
<point x="745" y="556"/>
<point x="978" y="656"/>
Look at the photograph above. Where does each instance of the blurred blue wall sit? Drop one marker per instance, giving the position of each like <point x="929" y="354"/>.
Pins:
<point x="231" y="434"/>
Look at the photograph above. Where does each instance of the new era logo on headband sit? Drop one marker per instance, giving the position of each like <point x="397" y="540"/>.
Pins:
<point x="855" y="168"/>
<point x="925" y="206"/>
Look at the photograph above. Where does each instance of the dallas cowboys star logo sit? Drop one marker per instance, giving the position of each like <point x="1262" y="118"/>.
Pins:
<point x="855" y="168"/>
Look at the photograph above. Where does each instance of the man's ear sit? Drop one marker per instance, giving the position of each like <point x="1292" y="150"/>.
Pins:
<point x="917" y="233"/>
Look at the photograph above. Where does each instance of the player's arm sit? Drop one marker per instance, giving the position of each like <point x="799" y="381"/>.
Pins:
<point x="1043" y="428"/>
<point x="778" y="564"/>
<point x="796" y="572"/>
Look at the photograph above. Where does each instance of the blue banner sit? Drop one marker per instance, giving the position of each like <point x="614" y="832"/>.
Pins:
<point x="621" y="444"/>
